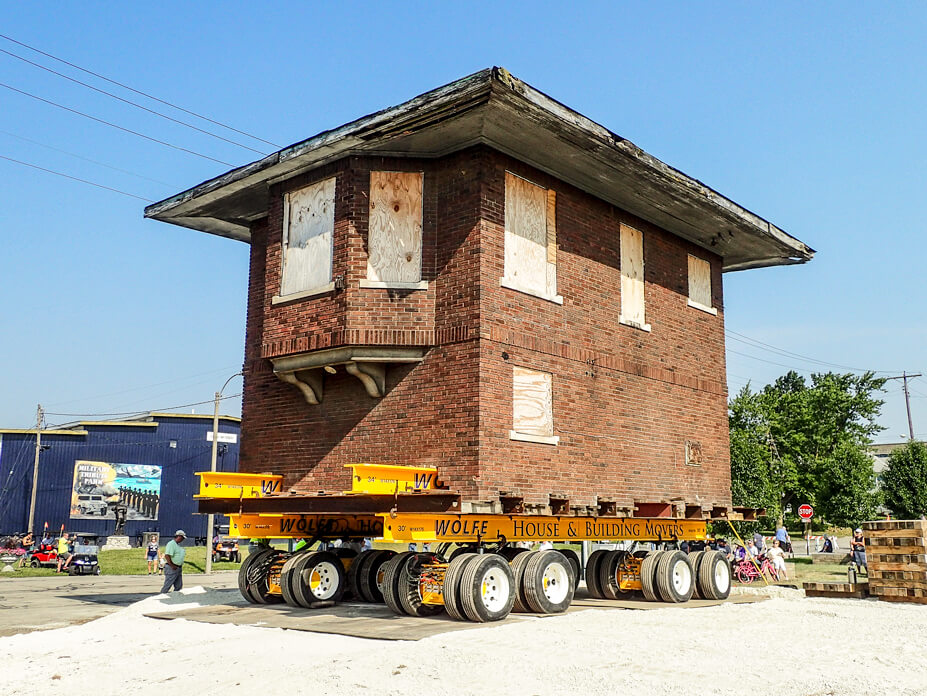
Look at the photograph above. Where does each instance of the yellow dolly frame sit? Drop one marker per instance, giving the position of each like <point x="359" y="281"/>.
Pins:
<point x="485" y="577"/>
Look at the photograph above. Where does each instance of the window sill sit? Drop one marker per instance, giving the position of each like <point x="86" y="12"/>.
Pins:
<point x="391" y="285"/>
<point x="506" y="283"/>
<point x="634" y="324"/>
<point x="700" y="306"/>
<point x="539" y="439"/>
<point x="321" y="290"/>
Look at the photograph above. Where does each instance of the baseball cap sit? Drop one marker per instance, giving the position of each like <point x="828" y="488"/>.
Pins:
<point x="857" y="530"/>
<point x="180" y="533"/>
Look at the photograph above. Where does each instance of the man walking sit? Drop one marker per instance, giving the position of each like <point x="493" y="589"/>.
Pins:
<point x="174" y="554"/>
<point x="64" y="552"/>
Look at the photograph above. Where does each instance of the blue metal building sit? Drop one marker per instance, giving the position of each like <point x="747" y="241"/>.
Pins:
<point x="86" y="468"/>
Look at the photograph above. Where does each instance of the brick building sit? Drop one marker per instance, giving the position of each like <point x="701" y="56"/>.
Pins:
<point x="484" y="280"/>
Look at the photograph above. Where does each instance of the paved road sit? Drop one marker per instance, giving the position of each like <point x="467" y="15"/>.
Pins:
<point x="35" y="604"/>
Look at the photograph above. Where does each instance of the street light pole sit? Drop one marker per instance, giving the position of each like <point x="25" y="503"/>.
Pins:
<point x="39" y="415"/>
<point x="211" y="519"/>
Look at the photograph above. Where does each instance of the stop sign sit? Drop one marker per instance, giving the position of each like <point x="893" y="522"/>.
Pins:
<point x="806" y="512"/>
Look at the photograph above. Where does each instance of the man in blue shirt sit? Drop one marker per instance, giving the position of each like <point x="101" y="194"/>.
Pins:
<point x="785" y="541"/>
<point x="174" y="554"/>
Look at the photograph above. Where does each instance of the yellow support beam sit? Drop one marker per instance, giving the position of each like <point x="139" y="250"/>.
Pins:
<point x="391" y="478"/>
<point x="226" y="484"/>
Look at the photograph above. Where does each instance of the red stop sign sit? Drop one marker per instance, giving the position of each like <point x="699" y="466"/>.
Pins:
<point x="806" y="512"/>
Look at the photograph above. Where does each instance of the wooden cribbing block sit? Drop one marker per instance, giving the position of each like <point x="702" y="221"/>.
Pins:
<point x="836" y="589"/>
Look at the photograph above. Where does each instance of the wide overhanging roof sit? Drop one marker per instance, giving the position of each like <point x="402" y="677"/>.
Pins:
<point x="494" y="108"/>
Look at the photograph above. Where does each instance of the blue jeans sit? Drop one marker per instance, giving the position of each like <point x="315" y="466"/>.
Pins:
<point x="173" y="578"/>
<point x="859" y="558"/>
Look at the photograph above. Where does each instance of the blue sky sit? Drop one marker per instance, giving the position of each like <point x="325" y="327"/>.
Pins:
<point x="810" y="117"/>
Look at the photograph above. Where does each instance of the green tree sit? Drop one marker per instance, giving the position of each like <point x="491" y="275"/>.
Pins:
<point x="904" y="482"/>
<point x="815" y="436"/>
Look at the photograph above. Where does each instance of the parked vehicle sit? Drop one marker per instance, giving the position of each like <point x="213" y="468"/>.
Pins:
<point x="226" y="550"/>
<point x="85" y="560"/>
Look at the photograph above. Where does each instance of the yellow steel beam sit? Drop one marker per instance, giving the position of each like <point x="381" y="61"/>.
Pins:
<point x="390" y="478"/>
<point x="300" y="526"/>
<point x="468" y="528"/>
<point x="226" y="484"/>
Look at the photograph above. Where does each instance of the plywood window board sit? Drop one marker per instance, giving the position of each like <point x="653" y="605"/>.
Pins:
<point x="632" y="278"/>
<point x="530" y="263"/>
<point x="308" y="235"/>
<point x="394" y="237"/>
<point x="532" y="406"/>
<point x="700" y="284"/>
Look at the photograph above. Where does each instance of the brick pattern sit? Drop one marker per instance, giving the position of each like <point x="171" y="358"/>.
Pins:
<point x="625" y="401"/>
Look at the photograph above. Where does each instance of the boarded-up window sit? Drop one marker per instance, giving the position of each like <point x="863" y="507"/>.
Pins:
<point x="632" y="277"/>
<point x="394" y="239"/>
<point x="530" y="263"/>
<point x="532" y="402"/>
<point x="308" y="227"/>
<point x="699" y="283"/>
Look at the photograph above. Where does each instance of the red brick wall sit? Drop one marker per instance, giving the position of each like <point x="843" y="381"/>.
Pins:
<point x="625" y="401"/>
<point x="429" y="415"/>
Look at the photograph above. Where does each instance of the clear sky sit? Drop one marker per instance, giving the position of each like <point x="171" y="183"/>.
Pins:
<point x="813" y="117"/>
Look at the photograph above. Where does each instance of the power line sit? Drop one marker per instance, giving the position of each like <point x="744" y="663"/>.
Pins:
<point x="132" y="103"/>
<point x="87" y="159"/>
<point x="786" y="353"/>
<point x="74" y="178"/>
<point x="137" y="413"/>
<point x="144" y="94"/>
<point x="147" y="386"/>
<point x="113" y="125"/>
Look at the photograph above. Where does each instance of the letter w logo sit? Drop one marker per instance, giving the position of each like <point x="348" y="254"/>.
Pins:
<point x="269" y="486"/>
<point x="423" y="480"/>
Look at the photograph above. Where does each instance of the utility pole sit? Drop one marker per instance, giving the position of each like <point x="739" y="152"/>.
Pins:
<point x="211" y="519"/>
<point x="907" y="399"/>
<point x="39" y="415"/>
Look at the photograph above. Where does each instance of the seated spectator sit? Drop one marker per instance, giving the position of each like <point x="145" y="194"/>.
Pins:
<point x="777" y="557"/>
<point x="828" y="546"/>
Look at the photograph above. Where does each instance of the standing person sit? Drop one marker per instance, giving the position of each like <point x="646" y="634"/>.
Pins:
<point x="759" y="541"/>
<point x="858" y="549"/>
<point x="152" y="555"/>
<point x="64" y="552"/>
<point x="782" y="535"/>
<point x="174" y="554"/>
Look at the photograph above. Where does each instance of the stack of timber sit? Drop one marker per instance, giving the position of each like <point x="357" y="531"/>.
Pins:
<point x="896" y="551"/>
<point x="842" y="590"/>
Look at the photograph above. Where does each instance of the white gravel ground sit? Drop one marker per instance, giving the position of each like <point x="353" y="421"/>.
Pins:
<point x="787" y="645"/>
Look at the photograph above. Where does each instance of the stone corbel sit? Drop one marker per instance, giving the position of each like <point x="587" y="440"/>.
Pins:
<point x="309" y="382"/>
<point x="371" y="374"/>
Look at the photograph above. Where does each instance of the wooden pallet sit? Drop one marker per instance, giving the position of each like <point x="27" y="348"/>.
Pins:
<point x="844" y="590"/>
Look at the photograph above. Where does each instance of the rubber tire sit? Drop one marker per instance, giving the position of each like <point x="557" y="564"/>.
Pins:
<point x="608" y="571"/>
<point x="303" y="590"/>
<point x="34" y="564"/>
<point x="510" y="552"/>
<point x="98" y="571"/>
<point x="296" y="574"/>
<point x="392" y="579"/>
<point x="573" y="558"/>
<point x="355" y="570"/>
<point x="236" y="557"/>
<point x="409" y="596"/>
<point x="289" y="579"/>
<point x="695" y="560"/>
<point x="664" y="577"/>
<point x="370" y="573"/>
<point x="533" y="582"/>
<point x="461" y="550"/>
<point x="518" y="572"/>
<point x="451" y="589"/>
<point x="243" y="586"/>
<point x="706" y="574"/>
<point x="648" y="575"/>
<point x="260" y="590"/>
<point x="471" y="586"/>
<point x="592" y="573"/>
